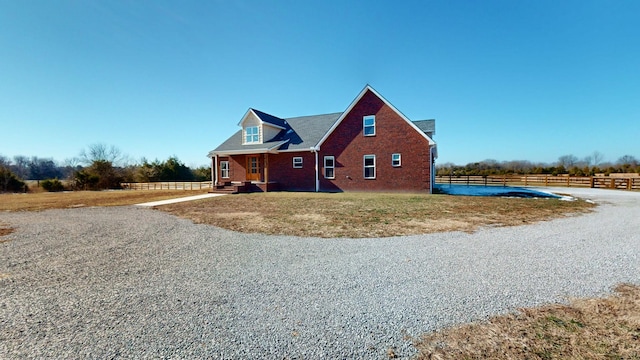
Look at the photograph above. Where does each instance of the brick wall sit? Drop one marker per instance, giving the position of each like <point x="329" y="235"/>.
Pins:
<point x="237" y="168"/>
<point x="281" y="170"/>
<point x="393" y="135"/>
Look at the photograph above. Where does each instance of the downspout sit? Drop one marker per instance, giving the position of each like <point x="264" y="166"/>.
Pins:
<point x="433" y="169"/>
<point x="315" y="150"/>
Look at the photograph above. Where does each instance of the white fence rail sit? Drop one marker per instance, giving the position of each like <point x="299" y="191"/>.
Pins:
<point x="168" y="185"/>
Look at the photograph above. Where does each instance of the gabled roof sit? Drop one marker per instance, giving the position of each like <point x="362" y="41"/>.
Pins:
<point x="270" y="119"/>
<point x="233" y="145"/>
<point x="299" y="133"/>
<point x="357" y="99"/>
<point x="307" y="132"/>
<point x="265" y="118"/>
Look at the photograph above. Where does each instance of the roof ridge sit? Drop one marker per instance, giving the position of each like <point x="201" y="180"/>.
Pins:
<point x="271" y="119"/>
<point x="303" y="116"/>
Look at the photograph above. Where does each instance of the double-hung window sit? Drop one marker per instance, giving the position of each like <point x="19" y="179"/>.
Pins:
<point x="396" y="160"/>
<point x="297" y="162"/>
<point x="224" y="169"/>
<point x="369" y="166"/>
<point x="329" y="167"/>
<point x="251" y="135"/>
<point x="369" y="125"/>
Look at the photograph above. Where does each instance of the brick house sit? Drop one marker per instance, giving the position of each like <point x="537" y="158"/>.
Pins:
<point x="371" y="146"/>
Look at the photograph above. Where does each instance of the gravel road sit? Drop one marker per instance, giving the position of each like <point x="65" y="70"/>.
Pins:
<point x="138" y="283"/>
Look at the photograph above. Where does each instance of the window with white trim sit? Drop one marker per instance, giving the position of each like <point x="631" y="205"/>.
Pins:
<point x="329" y="167"/>
<point x="369" y="166"/>
<point x="251" y="135"/>
<point x="396" y="160"/>
<point x="369" y="125"/>
<point x="297" y="162"/>
<point x="224" y="169"/>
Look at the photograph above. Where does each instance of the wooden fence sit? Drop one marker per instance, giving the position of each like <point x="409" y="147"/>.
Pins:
<point x="168" y="185"/>
<point x="601" y="182"/>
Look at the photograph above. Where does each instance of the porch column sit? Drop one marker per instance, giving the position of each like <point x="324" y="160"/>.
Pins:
<point x="266" y="168"/>
<point x="214" y="170"/>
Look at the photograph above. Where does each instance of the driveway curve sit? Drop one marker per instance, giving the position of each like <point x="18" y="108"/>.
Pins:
<point x="138" y="283"/>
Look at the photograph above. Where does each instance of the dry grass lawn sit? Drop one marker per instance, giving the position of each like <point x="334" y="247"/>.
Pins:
<point x="607" y="328"/>
<point x="358" y="215"/>
<point x="64" y="200"/>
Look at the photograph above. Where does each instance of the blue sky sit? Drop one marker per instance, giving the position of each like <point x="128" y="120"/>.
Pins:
<point x="505" y="80"/>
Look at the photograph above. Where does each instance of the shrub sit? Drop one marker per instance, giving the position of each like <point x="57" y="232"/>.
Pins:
<point x="52" y="185"/>
<point x="9" y="182"/>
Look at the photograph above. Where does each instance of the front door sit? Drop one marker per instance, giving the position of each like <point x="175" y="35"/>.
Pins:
<point x="253" y="168"/>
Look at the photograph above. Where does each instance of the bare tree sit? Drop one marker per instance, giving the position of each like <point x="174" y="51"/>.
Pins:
<point x="628" y="160"/>
<point x="21" y="166"/>
<point x="4" y="161"/>
<point x="568" y="161"/>
<point x="101" y="152"/>
<point x="597" y="158"/>
<point x="72" y="162"/>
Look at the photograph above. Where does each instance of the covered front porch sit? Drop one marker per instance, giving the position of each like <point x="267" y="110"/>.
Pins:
<point x="241" y="173"/>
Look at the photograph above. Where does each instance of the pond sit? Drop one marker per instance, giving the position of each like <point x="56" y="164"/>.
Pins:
<point x="482" y="190"/>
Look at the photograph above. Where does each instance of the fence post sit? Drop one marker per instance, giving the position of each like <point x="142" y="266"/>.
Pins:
<point x="546" y="180"/>
<point x="591" y="182"/>
<point x="568" y="181"/>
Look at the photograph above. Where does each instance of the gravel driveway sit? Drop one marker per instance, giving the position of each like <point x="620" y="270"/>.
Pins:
<point x="138" y="283"/>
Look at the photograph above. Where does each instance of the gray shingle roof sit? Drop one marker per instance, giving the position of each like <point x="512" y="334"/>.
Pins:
<point x="308" y="130"/>
<point x="427" y="126"/>
<point x="300" y="133"/>
<point x="270" y="119"/>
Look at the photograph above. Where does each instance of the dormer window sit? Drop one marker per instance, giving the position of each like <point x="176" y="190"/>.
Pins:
<point x="251" y="135"/>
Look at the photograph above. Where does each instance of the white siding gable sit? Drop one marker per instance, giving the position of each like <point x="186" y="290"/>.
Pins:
<point x="268" y="132"/>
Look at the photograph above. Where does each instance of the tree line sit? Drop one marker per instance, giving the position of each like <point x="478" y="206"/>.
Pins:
<point x="96" y="168"/>
<point x="566" y="164"/>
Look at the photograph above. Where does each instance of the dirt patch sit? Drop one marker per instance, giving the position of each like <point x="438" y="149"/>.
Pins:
<point x="4" y="231"/>
<point x="313" y="218"/>
<point x="237" y="215"/>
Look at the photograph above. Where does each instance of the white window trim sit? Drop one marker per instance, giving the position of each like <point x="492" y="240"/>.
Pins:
<point x="329" y="167"/>
<point x="364" y="119"/>
<point x="399" y="160"/>
<point x="224" y="168"/>
<point x="297" y="164"/>
<point x="252" y="135"/>
<point x="364" y="166"/>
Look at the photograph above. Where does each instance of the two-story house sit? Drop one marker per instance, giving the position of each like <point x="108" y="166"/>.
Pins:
<point x="371" y="146"/>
